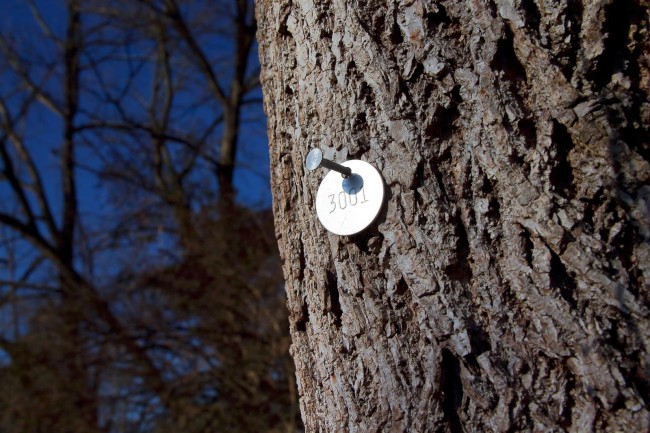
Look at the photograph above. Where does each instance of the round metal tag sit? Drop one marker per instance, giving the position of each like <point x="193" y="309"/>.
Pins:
<point x="346" y="206"/>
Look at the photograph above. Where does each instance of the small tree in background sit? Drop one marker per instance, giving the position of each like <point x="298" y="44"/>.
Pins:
<point x="137" y="293"/>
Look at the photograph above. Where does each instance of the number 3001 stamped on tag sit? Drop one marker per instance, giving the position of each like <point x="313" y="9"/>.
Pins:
<point x="348" y="206"/>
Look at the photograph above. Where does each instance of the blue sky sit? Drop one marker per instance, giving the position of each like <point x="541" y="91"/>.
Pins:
<point x="42" y="130"/>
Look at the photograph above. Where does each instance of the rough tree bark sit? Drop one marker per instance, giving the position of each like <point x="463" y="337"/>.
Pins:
<point x="505" y="286"/>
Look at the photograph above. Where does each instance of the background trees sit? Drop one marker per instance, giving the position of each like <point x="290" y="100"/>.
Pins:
<point x="139" y="290"/>
<point x="505" y="287"/>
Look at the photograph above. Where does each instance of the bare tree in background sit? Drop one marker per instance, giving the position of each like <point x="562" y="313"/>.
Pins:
<point x="163" y="310"/>
<point x="505" y="286"/>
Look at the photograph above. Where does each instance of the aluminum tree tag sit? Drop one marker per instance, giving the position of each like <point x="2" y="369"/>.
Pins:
<point x="346" y="206"/>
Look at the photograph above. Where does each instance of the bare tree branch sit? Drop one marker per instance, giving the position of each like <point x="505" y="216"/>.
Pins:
<point x="23" y="74"/>
<point x="71" y="91"/>
<point x="173" y="12"/>
<point x="45" y="28"/>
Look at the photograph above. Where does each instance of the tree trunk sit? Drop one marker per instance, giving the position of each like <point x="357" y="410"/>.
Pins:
<point x="505" y="285"/>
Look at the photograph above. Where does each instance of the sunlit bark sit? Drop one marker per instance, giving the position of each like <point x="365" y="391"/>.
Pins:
<point x="505" y="285"/>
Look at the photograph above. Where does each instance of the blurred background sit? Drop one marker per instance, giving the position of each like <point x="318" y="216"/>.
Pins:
<point x="140" y="284"/>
